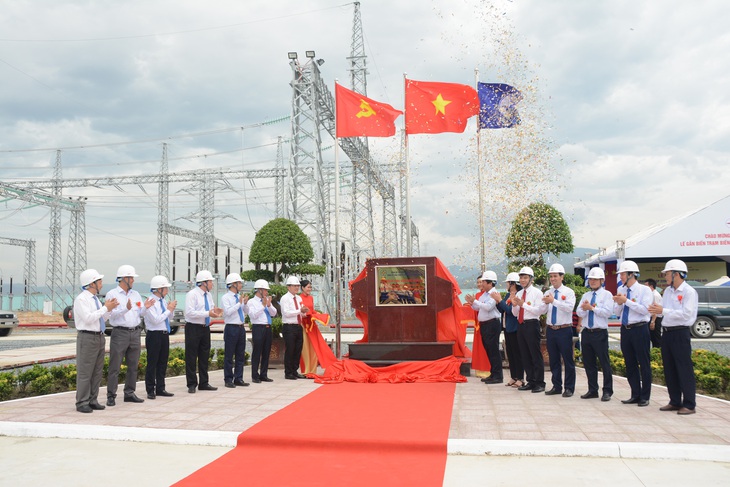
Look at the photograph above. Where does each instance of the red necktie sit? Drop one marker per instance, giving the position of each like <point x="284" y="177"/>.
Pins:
<point x="299" y="316"/>
<point x="521" y="317"/>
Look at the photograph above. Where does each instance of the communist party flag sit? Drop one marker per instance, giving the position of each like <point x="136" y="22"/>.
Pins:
<point x="359" y="116"/>
<point x="433" y="108"/>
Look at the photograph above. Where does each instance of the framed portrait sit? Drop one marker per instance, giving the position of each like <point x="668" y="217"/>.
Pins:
<point x="400" y="285"/>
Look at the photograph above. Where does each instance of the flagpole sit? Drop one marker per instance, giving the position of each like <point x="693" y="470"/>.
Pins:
<point x="409" y="237"/>
<point x="338" y="276"/>
<point x="482" y="250"/>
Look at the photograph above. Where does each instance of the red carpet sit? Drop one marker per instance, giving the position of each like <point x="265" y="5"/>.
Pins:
<point x="347" y="434"/>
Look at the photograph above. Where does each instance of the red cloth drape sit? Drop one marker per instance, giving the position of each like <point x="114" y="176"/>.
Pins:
<point x="316" y="340"/>
<point x="479" y="359"/>
<point x="348" y="370"/>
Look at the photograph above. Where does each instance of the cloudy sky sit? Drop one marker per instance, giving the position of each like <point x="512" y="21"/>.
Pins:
<point x="626" y="116"/>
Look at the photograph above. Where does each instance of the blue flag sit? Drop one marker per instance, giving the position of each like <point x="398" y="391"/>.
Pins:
<point x="497" y="105"/>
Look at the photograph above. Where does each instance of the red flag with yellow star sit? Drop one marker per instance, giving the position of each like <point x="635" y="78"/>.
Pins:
<point x="360" y="116"/>
<point x="433" y="108"/>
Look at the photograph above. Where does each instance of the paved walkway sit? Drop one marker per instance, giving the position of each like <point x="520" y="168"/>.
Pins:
<point x="497" y="435"/>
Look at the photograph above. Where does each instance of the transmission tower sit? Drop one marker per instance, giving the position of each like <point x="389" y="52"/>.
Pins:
<point x="28" y="267"/>
<point x="76" y="256"/>
<point x="162" y="264"/>
<point x="53" y="269"/>
<point x="279" y="183"/>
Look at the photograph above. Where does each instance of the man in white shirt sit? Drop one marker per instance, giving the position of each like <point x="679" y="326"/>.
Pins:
<point x="631" y="304"/>
<point x="260" y="310"/>
<point x="558" y="302"/>
<point x="527" y="307"/>
<point x="490" y="325"/>
<point x="89" y="316"/>
<point x="125" y="342"/>
<point x="199" y="309"/>
<point x="679" y="307"/>
<point x="293" y="312"/>
<point x="234" y="334"/>
<point x="595" y="308"/>
<point x="157" y="338"/>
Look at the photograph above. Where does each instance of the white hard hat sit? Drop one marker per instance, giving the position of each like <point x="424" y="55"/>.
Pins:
<point x="675" y="265"/>
<point x="261" y="284"/>
<point x="203" y="276"/>
<point x="596" y="273"/>
<point x="628" y="266"/>
<point x="292" y="281"/>
<point x="527" y="270"/>
<point x="158" y="282"/>
<point x="556" y="269"/>
<point x="489" y="276"/>
<point x="126" y="271"/>
<point x="89" y="276"/>
<point x="233" y="277"/>
<point x="512" y="277"/>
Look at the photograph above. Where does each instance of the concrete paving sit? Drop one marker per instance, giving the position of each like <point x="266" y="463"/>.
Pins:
<point x="498" y="436"/>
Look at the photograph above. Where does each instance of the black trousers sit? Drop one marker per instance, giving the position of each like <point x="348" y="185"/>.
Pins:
<point x="293" y="342"/>
<point x="234" y="349"/>
<point x="512" y="348"/>
<point x="197" y="352"/>
<point x="158" y="352"/>
<point x="490" y="331"/>
<point x="678" y="368"/>
<point x="528" y="334"/>
<point x="560" y="345"/>
<point x="656" y="333"/>
<point x="595" y="350"/>
<point x="261" y="337"/>
<point x="635" y="348"/>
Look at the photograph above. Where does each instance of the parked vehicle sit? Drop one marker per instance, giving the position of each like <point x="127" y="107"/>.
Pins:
<point x="8" y="321"/>
<point x="176" y="321"/>
<point x="713" y="312"/>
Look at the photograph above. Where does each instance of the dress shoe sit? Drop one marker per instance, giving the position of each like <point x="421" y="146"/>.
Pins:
<point x="151" y="395"/>
<point x="485" y="379"/>
<point x="256" y="381"/>
<point x="684" y="411"/>
<point x="567" y="393"/>
<point x="164" y="393"/>
<point x="191" y="389"/>
<point x="266" y="379"/>
<point x="553" y="391"/>
<point x="96" y="406"/>
<point x="290" y="377"/>
<point x="606" y="397"/>
<point x="301" y="376"/>
<point x="669" y="407"/>
<point x="526" y="387"/>
<point x="240" y="383"/>
<point x="589" y="395"/>
<point x="631" y="400"/>
<point x="230" y="385"/>
<point x="110" y="401"/>
<point x="132" y="398"/>
<point x="493" y="381"/>
<point x="207" y="387"/>
<point x="84" y="409"/>
<point x="643" y="403"/>
<point x="537" y="389"/>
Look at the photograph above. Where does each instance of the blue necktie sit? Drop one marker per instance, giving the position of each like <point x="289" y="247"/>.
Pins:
<point x="590" y="313"/>
<point x="625" y="313"/>
<point x="554" y="316"/>
<point x="102" y="325"/>
<point x="167" y="320"/>
<point x="240" y="311"/>
<point x="268" y="315"/>
<point x="207" y="308"/>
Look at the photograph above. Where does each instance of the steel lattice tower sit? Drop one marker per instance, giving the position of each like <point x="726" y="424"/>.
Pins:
<point x="279" y="183"/>
<point x="28" y="267"/>
<point x="54" y="266"/>
<point x="162" y="264"/>
<point x="76" y="256"/>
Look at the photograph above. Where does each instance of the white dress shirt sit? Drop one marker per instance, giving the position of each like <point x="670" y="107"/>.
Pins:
<point x="291" y="314"/>
<point x="533" y="305"/>
<point x="679" y="306"/>
<point x="230" y="308"/>
<point x="564" y="304"/>
<point x="256" y="311"/>
<point x="657" y="299"/>
<point x="155" y="319"/>
<point x="121" y="316"/>
<point x="486" y="306"/>
<point x="638" y="304"/>
<point x="602" y="310"/>
<point x="86" y="312"/>
<point x="195" y="311"/>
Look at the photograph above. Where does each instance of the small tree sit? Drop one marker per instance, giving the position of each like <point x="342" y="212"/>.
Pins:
<point x="537" y="230"/>
<point x="284" y="245"/>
